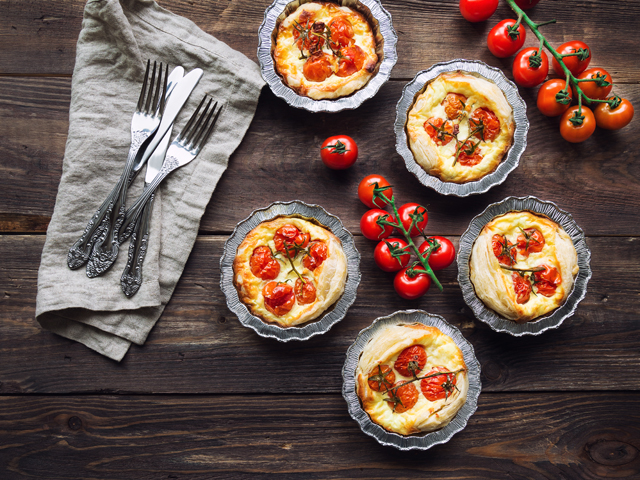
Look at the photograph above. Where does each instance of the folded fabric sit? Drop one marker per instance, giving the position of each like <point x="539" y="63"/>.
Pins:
<point x="116" y="40"/>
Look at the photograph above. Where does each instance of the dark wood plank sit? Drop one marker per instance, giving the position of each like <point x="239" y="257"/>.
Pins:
<point x="279" y="160"/>
<point x="516" y="436"/>
<point x="198" y="346"/>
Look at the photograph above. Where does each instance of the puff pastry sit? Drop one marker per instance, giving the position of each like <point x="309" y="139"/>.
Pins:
<point x="460" y="127"/>
<point x="325" y="51"/>
<point x="265" y="269"/>
<point x="432" y="402"/>
<point x="523" y="265"/>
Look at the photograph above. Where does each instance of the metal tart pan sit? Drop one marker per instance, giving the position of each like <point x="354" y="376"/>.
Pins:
<point x="315" y="327"/>
<point x="552" y="319"/>
<point x="509" y="162"/>
<point x="385" y="37"/>
<point x="422" y="441"/>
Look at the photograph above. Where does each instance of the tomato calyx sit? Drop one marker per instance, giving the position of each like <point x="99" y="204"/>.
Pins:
<point x="581" y="53"/>
<point x="397" y="251"/>
<point x="378" y="194"/>
<point x="563" y="97"/>
<point x="383" y="379"/>
<point x="614" y="102"/>
<point x="535" y="60"/>
<point x="338" y="148"/>
<point x="513" y="30"/>
<point x="577" y="119"/>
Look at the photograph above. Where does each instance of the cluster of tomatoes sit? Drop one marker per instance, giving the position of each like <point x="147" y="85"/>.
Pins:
<point x="392" y="254"/>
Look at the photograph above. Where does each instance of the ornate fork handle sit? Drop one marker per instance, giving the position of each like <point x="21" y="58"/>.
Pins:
<point x="131" y="279"/>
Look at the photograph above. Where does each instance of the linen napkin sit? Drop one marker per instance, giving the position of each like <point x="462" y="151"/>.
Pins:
<point x="117" y="38"/>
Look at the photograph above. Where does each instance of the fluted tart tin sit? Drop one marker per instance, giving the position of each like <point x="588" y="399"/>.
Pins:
<point x="510" y="161"/>
<point x="385" y="36"/>
<point x="422" y="441"/>
<point x="551" y="320"/>
<point x="330" y="317"/>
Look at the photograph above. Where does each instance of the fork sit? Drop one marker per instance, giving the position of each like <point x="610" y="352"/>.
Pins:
<point x="145" y="121"/>
<point x="184" y="148"/>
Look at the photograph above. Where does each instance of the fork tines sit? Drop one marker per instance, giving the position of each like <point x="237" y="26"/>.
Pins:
<point x="199" y="127"/>
<point x="151" y="100"/>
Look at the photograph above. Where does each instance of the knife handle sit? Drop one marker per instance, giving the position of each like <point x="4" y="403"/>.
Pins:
<point x="131" y="278"/>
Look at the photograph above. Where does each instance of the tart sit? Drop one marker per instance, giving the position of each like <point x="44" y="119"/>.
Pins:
<point x="523" y="265"/>
<point x="325" y="51"/>
<point x="289" y="270"/>
<point x="411" y="379"/>
<point x="461" y="127"/>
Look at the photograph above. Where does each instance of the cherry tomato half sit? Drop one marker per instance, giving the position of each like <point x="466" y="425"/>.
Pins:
<point x="577" y="133"/>
<point x="598" y="88"/>
<point x="385" y="260"/>
<point x="527" y="72"/>
<point x="526" y="4"/>
<point x="616" y="118"/>
<point x="578" y="62"/>
<point x="503" y="45"/>
<point x="441" y="257"/>
<point x="339" y="152"/>
<point x="478" y="10"/>
<point x="411" y="288"/>
<point x="408" y="210"/>
<point x="365" y="190"/>
<point x="370" y="229"/>
<point x="547" y="101"/>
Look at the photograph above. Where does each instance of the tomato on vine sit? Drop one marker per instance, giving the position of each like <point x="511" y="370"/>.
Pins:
<point x="530" y="67"/>
<point x="411" y="283"/>
<point x="365" y="190"/>
<point x="411" y="361"/>
<point x="385" y="251"/>
<point x="370" y="227"/>
<point x="477" y="10"/>
<point x="601" y="83"/>
<point x="551" y="102"/>
<point x="505" y="38"/>
<point x="443" y="253"/>
<point x="614" y="118"/>
<point x="410" y="213"/>
<point x="576" y="128"/>
<point x="578" y="59"/>
<point x="339" y="152"/>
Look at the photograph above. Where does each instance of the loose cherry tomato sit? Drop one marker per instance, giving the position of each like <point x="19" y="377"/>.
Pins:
<point x="351" y="61"/>
<point x="547" y="280"/>
<point x="489" y="121"/>
<point x="441" y="132"/>
<point x="411" y="361"/>
<point x="339" y="152"/>
<point x="371" y="230"/>
<point x="318" y="253"/>
<point x="341" y="33"/>
<point x="522" y="287"/>
<point x="402" y="397"/>
<point x="504" y="250"/>
<point x="410" y="212"/>
<point x="440" y="386"/>
<point x="289" y="239"/>
<point x="530" y="241"/>
<point x="503" y="40"/>
<point x="386" y="261"/>
<point x="318" y="67"/>
<point x="601" y="85"/>
<point x="305" y="292"/>
<point x="278" y="297"/>
<point x="530" y="68"/>
<point x="478" y="10"/>
<point x="526" y="4"/>
<point x="614" y="118"/>
<point x="454" y="104"/>
<point x="548" y="98"/>
<point x="578" y="62"/>
<point x="576" y="133"/>
<point x="441" y="257"/>
<point x="469" y="155"/>
<point x="263" y="265"/>
<point x="365" y="190"/>
<point x="381" y="378"/>
<point x="409" y="287"/>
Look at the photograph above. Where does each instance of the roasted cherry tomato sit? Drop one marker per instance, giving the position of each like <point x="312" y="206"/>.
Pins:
<point x="454" y="104"/>
<point x="289" y="239"/>
<point x="573" y="132"/>
<point x="530" y="241"/>
<point x="548" y="98"/>
<point x="488" y="120"/>
<point x="501" y="43"/>
<point x="441" y="132"/>
<point x="351" y="61"/>
<point x="372" y="230"/>
<point x="365" y="190"/>
<point x="386" y="261"/>
<point x="441" y="257"/>
<point x="411" y="287"/>
<point x="530" y="68"/>
<point x="410" y="212"/>
<point x="526" y="4"/>
<point x="439" y="386"/>
<point x="577" y="62"/>
<point x="522" y="287"/>
<point x="263" y="265"/>
<point x="547" y="280"/>
<point x="601" y="85"/>
<point x="312" y="43"/>
<point x="305" y="292"/>
<point x="411" y="361"/>
<point x="278" y="297"/>
<point x="318" y="67"/>
<point x="469" y="155"/>
<point x="402" y="397"/>
<point x="504" y="250"/>
<point x="339" y="152"/>
<point x="381" y="378"/>
<point x="341" y="33"/>
<point x="318" y="253"/>
<point x="614" y="118"/>
<point x="478" y="10"/>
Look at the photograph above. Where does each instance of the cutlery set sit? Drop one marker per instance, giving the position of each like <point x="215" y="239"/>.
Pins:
<point x="161" y="99"/>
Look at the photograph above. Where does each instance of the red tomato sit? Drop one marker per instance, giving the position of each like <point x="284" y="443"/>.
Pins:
<point x="600" y="87"/>
<point x="454" y="104"/>
<point x="469" y="155"/>
<point x="503" y="249"/>
<point x="381" y="378"/>
<point x="441" y="257"/>
<point x="341" y="33"/>
<point x="318" y="67"/>
<point x="409" y="210"/>
<point x="312" y="43"/>
<point x="371" y="230"/>
<point x="614" y="118"/>
<point x="305" y="292"/>
<point x="289" y="239"/>
<point x="365" y="190"/>
<point x="501" y="43"/>
<point x="439" y="386"/>
<point x="385" y="260"/>
<point x="527" y="72"/>
<point x="339" y="152"/>
<point x="441" y="132"/>
<point x="263" y="265"/>
<point x="351" y="61"/>
<point x="411" y="361"/>
<point x="411" y="288"/>
<point x="547" y="280"/>
<point x="575" y="133"/>
<point x="478" y="10"/>
<point x="522" y="287"/>
<point x="402" y="397"/>
<point x="578" y="62"/>
<point x="526" y="4"/>
<point x="489" y="121"/>
<point x="317" y="254"/>
<point x="278" y="297"/>
<point x="529" y="241"/>
<point x="547" y="98"/>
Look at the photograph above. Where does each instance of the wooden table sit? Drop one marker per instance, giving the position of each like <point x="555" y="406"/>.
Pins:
<point x="206" y="397"/>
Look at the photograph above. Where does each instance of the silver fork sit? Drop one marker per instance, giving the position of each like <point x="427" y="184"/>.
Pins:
<point x="110" y="215"/>
<point x="184" y="148"/>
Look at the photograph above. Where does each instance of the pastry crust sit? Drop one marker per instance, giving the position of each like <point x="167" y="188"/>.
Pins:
<point x="329" y="278"/>
<point x="425" y="415"/>
<point x="289" y="65"/>
<point x="494" y="285"/>
<point x="438" y="160"/>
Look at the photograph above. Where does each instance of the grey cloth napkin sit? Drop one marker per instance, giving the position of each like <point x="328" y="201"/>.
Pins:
<point x="116" y="40"/>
